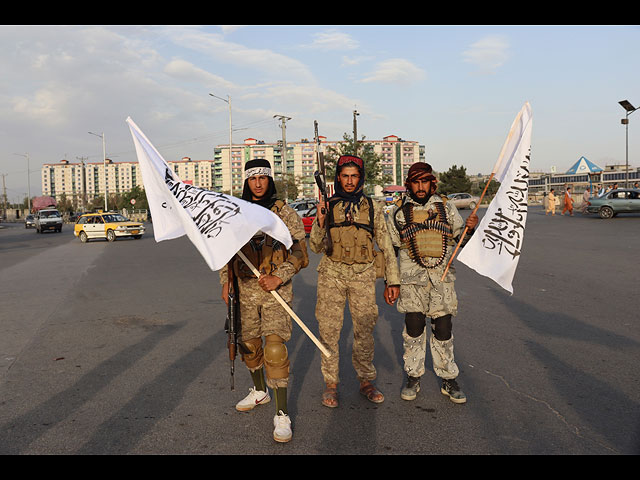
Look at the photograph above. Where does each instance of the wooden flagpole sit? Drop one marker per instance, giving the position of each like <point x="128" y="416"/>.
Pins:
<point x="493" y="172"/>
<point x="287" y="308"/>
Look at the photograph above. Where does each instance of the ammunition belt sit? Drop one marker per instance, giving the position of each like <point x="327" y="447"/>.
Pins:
<point x="435" y="223"/>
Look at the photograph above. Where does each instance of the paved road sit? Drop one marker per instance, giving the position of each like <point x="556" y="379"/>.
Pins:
<point x="119" y="348"/>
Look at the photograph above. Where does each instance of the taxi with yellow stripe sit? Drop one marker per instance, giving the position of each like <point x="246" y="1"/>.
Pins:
<point x="107" y="225"/>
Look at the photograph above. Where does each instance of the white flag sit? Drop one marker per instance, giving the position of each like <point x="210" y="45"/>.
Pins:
<point x="217" y="224"/>
<point x="495" y="247"/>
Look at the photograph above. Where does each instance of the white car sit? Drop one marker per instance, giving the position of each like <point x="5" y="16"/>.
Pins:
<point x="302" y="206"/>
<point x="48" y="219"/>
<point x="463" y="200"/>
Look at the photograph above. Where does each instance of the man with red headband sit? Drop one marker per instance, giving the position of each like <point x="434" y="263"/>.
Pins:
<point x="425" y="228"/>
<point x="347" y="271"/>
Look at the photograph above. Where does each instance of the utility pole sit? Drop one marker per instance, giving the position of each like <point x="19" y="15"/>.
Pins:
<point x="104" y="163"/>
<point x="228" y="100"/>
<point x="355" y="132"/>
<point x="4" y="198"/>
<point x="26" y="155"/>
<point x="84" y="183"/>
<point x="283" y="169"/>
<point x="625" y="121"/>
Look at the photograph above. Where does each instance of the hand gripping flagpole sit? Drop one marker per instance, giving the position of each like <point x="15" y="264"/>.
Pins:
<point x="286" y="307"/>
<point x="493" y="172"/>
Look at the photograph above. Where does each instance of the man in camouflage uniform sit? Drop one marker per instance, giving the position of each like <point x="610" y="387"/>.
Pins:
<point x="426" y="242"/>
<point x="347" y="271"/>
<point x="261" y="315"/>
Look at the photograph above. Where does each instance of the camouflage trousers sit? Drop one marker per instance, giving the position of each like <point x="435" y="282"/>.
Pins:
<point x="415" y="352"/>
<point x="261" y="314"/>
<point x="435" y="300"/>
<point x="333" y="291"/>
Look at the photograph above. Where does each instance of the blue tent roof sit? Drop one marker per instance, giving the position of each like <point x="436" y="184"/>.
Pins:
<point x="584" y="166"/>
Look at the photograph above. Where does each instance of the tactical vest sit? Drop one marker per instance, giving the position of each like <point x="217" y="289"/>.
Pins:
<point x="266" y="253"/>
<point x="424" y="235"/>
<point x="352" y="238"/>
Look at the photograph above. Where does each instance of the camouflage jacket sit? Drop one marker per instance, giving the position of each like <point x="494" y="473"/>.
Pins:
<point x="381" y="237"/>
<point x="410" y="271"/>
<point x="285" y="270"/>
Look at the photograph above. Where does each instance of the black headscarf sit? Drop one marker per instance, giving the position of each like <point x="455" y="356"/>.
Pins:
<point x="263" y="167"/>
<point x="355" y="196"/>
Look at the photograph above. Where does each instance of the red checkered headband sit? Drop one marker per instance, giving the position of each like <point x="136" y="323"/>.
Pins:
<point x="350" y="159"/>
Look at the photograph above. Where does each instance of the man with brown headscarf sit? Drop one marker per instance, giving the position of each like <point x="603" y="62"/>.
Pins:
<point x="425" y="228"/>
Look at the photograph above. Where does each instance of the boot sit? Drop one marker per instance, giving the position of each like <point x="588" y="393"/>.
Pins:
<point x="411" y="389"/>
<point x="452" y="390"/>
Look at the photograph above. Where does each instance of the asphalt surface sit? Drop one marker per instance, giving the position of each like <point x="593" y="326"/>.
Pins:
<point x="119" y="348"/>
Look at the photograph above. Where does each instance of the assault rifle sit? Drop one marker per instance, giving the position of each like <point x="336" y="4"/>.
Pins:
<point x="232" y="324"/>
<point x="321" y="180"/>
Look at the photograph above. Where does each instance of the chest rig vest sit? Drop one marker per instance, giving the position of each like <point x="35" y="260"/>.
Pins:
<point x="351" y="233"/>
<point x="264" y="252"/>
<point x="425" y="234"/>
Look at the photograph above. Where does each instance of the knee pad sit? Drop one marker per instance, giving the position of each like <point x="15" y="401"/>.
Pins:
<point x="276" y="357"/>
<point x="415" y="323"/>
<point x="253" y="355"/>
<point x="441" y="327"/>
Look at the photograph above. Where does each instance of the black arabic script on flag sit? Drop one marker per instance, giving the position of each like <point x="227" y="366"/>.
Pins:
<point x="506" y="229"/>
<point x="209" y="210"/>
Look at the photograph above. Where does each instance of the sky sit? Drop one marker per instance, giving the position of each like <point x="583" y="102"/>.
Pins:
<point x="455" y="89"/>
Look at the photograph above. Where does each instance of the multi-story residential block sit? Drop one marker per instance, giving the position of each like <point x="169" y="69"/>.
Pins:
<point x="79" y="181"/>
<point x="397" y="156"/>
<point x="87" y="180"/>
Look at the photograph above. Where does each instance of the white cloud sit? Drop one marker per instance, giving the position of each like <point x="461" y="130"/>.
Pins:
<point x="261" y="60"/>
<point x="395" y="70"/>
<point x="334" y="40"/>
<point x="488" y="53"/>
<point x="183" y="70"/>
<point x="353" y="61"/>
<point x="230" y="28"/>
<point x="313" y="99"/>
<point x="47" y="105"/>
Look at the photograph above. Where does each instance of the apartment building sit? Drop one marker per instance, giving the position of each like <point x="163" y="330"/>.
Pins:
<point x="397" y="156"/>
<point x="77" y="179"/>
<point x="220" y="174"/>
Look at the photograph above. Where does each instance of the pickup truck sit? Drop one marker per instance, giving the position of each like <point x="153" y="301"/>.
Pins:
<point x="48" y="219"/>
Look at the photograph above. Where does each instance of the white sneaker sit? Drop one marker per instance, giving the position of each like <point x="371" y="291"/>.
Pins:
<point x="255" y="398"/>
<point x="282" y="431"/>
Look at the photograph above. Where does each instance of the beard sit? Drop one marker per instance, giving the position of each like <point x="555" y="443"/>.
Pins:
<point x="421" y="200"/>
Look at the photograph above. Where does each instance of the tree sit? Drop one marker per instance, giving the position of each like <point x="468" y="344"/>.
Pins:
<point x="287" y="188"/>
<point x="492" y="189"/>
<point x="137" y="194"/>
<point x="372" y="162"/>
<point x="64" y="205"/>
<point x="454" y="180"/>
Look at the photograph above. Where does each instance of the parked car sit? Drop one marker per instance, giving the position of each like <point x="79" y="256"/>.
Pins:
<point x="302" y="206"/>
<point x="463" y="200"/>
<point x="621" y="200"/>
<point x="29" y="221"/>
<point x="107" y="225"/>
<point x="48" y="219"/>
<point x="308" y="218"/>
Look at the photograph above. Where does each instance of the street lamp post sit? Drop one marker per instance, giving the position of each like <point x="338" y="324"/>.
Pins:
<point x="228" y="100"/>
<point x="26" y="155"/>
<point x="625" y="121"/>
<point x="104" y="163"/>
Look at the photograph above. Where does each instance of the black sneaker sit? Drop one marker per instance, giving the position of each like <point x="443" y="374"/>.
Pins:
<point x="452" y="390"/>
<point x="411" y="389"/>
